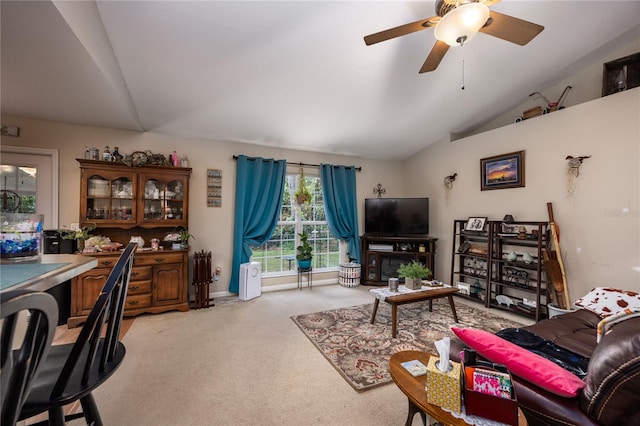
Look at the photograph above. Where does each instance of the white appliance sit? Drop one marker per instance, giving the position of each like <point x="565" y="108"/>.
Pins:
<point x="250" y="281"/>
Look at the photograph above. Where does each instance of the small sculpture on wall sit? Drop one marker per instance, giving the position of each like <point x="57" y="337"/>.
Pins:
<point x="574" y="164"/>
<point x="573" y="170"/>
<point x="379" y="190"/>
<point x="448" y="180"/>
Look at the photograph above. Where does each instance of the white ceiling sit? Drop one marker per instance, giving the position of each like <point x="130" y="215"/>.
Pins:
<point x="292" y="74"/>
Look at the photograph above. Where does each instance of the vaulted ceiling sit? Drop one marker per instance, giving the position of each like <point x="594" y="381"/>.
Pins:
<point x="294" y="74"/>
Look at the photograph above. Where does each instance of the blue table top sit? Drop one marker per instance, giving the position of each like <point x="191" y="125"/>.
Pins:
<point x="17" y="273"/>
<point x="42" y="272"/>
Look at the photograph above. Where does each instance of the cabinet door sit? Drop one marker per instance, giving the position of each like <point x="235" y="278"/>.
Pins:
<point x="107" y="197"/>
<point x="168" y="284"/>
<point x="87" y="289"/>
<point x="164" y="199"/>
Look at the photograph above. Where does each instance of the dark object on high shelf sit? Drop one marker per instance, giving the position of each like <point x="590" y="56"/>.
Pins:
<point x="384" y="255"/>
<point x="621" y="74"/>
<point x="483" y="272"/>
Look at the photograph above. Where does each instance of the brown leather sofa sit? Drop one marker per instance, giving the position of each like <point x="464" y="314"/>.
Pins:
<point x="612" y="393"/>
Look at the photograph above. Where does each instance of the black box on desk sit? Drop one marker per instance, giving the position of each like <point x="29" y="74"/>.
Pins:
<point x="502" y="409"/>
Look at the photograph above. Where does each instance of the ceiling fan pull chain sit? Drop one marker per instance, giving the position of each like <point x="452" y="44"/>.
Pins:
<point x="462" y="88"/>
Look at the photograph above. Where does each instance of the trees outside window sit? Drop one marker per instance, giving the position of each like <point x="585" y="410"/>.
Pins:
<point x="277" y="256"/>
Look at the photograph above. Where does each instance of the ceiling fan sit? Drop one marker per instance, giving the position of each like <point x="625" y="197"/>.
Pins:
<point x="457" y="22"/>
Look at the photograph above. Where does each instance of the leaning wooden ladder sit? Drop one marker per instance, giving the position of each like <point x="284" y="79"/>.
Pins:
<point x="554" y="264"/>
<point x="201" y="279"/>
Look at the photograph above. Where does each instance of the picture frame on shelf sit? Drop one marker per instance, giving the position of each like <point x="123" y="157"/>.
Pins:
<point x="475" y="224"/>
<point x="502" y="171"/>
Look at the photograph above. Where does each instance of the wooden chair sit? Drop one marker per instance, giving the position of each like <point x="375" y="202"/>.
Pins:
<point x="71" y="372"/>
<point x="22" y="352"/>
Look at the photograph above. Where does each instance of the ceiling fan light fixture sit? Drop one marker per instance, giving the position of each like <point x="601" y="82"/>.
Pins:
<point x="462" y="23"/>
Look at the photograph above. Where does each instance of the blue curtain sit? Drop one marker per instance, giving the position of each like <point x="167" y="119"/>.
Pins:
<point x="341" y="205"/>
<point x="259" y="188"/>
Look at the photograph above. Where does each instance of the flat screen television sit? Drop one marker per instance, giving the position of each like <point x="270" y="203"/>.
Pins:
<point x="396" y="217"/>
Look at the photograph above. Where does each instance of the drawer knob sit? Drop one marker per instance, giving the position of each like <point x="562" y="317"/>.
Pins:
<point x="106" y="262"/>
<point x="133" y="287"/>
<point x="159" y="259"/>
<point x="135" y="274"/>
<point x="133" y="302"/>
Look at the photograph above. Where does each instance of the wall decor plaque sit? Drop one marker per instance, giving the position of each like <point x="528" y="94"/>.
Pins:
<point x="214" y="188"/>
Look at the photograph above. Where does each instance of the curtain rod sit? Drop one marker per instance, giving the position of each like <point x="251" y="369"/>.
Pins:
<point x="289" y="163"/>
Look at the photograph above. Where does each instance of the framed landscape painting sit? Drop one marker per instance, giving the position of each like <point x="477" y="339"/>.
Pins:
<point x="502" y="171"/>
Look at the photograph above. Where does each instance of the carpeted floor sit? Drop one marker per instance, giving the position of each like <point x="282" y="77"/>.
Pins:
<point x="360" y="351"/>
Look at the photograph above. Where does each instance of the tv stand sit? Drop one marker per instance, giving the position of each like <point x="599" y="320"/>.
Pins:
<point x="382" y="256"/>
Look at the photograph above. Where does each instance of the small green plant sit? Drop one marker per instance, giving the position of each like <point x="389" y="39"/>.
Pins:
<point x="80" y="234"/>
<point x="184" y="237"/>
<point x="305" y="250"/>
<point x="414" y="270"/>
<point x="302" y="195"/>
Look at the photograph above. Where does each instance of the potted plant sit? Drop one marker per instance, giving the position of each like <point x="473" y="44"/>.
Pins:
<point x="305" y="252"/>
<point x="413" y="273"/>
<point x="184" y="238"/>
<point x="302" y="195"/>
<point x="79" y="235"/>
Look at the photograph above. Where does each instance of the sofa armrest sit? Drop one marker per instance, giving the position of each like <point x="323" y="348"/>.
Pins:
<point x="612" y="394"/>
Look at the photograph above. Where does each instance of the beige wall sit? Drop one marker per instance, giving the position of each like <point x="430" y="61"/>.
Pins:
<point x="212" y="227"/>
<point x="600" y="239"/>
<point x="599" y="221"/>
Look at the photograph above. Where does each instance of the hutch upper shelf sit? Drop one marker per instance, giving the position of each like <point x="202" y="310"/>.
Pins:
<point x="116" y="195"/>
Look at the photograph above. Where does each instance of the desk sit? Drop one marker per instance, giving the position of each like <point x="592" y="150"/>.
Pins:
<point x="414" y="389"/>
<point x="65" y="267"/>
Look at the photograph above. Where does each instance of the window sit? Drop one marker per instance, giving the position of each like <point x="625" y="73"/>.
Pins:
<point x="278" y="255"/>
<point x="19" y="188"/>
<point x="32" y="173"/>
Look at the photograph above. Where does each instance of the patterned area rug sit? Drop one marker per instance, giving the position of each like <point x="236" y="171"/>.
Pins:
<point x="360" y="351"/>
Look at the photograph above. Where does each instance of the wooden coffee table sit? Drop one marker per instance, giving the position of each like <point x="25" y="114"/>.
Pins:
<point x="396" y="300"/>
<point x="414" y="389"/>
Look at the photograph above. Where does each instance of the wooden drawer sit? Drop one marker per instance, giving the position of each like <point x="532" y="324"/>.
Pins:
<point x="139" y="287"/>
<point x="158" y="259"/>
<point x="107" y="261"/>
<point x="140" y="273"/>
<point x="137" y="301"/>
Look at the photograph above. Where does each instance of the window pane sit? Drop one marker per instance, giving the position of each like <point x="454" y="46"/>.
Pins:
<point x="20" y="180"/>
<point x="278" y="254"/>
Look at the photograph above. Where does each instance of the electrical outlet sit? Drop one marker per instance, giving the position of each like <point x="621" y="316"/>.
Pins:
<point x="74" y="227"/>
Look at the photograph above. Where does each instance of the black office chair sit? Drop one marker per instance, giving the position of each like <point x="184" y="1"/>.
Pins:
<point x="71" y="372"/>
<point x="23" y="346"/>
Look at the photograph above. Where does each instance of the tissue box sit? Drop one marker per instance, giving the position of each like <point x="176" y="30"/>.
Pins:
<point x="489" y="393"/>
<point x="443" y="389"/>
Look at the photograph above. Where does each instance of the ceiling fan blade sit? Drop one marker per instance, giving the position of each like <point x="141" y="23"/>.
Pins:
<point x="511" y="29"/>
<point x="401" y="30"/>
<point x="434" y="58"/>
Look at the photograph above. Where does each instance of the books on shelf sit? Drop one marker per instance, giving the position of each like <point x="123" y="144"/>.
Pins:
<point x="415" y="367"/>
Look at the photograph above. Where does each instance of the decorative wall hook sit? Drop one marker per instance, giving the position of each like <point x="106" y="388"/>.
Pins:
<point x="379" y="190"/>
<point x="574" y="164"/>
<point x="448" y="181"/>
